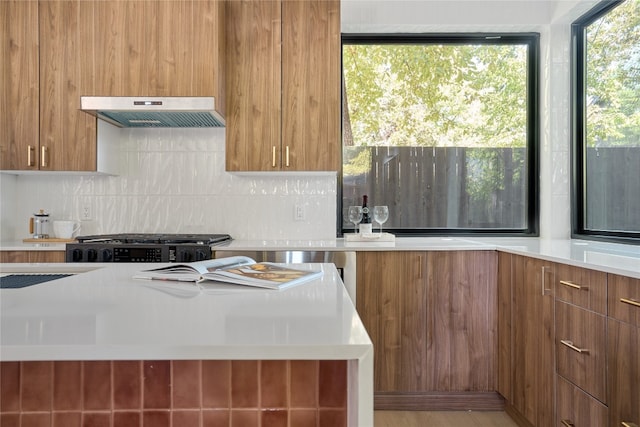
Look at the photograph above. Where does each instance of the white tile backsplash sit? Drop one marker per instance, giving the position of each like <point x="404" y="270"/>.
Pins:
<point x="173" y="181"/>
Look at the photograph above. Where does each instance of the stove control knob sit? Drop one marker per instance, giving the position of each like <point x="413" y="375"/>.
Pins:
<point x="76" y="255"/>
<point x="92" y="255"/>
<point x="107" y="255"/>
<point x="186" y="256"/>
<point x="201" y="255"/>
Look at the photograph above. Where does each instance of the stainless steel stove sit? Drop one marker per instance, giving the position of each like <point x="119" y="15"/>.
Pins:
<point x="141" y="247"/>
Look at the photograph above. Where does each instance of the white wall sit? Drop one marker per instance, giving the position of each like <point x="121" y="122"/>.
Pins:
<point x="174" y="180"/>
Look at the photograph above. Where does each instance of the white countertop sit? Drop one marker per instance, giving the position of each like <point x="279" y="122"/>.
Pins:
<point x="608" y="257"/>
<point x="18" y="245"/>
<point x="104" y="314"/>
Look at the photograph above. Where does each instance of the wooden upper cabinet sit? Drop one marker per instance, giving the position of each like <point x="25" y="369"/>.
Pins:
<point x="67" y="135"/>
<point x="49" y="67"/>
<point x="253" y="65"/>
<point x="311" y="84"/>
<point x="55" y="51"/>
<point x="19" y="86"/>
<point x="283" y="85"/>
<point x="160" y="48"/>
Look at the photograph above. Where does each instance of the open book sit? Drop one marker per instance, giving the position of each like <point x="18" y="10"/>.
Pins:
<point x="237" y="270"/>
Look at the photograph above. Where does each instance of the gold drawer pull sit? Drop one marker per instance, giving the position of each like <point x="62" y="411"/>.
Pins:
<point x="573" y="285"/>
<point x="567" y="423"/>
<point x="630" y="301"/>
<point x="628" y="424"/>
<point x="273" y="156"/>
<point x="30" y="152"/>
<point x="573" y="347"/>
<point x="44" y="162"/>
<point x="287" y="156"/>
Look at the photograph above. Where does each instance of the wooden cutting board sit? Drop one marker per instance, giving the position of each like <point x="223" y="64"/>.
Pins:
<point x="49" y="240"/>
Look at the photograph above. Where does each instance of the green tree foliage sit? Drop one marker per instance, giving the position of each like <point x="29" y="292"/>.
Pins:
<point x="436" y="95"/>
<point x="613" y="77"/>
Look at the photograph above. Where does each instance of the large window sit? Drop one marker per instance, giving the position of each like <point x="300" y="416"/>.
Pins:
<point x="606" y="159"/>
<point x="443" y="130"/>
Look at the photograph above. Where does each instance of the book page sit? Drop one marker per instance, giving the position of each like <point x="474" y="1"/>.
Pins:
<point x="262" y="274"/>
<point x="192" y="272"/>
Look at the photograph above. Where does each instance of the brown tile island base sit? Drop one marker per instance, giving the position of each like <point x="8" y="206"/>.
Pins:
<point x="198" y="393"/>
<point x="99" y="348"/>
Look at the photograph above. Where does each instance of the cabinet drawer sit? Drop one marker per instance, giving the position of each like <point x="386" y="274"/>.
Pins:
<point x="624" y="299"/>
<point x="577" y="408"/>
<point x="623" y="372"/>
<point x="582" y="287"/>
<point x="581" y="348"/>
<point x="31" y="256"/>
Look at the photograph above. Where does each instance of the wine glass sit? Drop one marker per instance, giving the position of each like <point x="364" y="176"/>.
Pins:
<point x="355" y="216"/>
<point x="380" y="215"/>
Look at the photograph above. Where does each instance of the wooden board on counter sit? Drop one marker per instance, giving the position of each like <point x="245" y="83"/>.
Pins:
<point x="49" y="240"/>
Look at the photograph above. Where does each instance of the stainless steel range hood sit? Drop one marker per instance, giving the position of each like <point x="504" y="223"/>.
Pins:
<point x="163" y="112"/>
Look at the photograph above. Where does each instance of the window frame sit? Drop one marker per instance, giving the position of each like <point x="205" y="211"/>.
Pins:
<point x="532" y="41"/>
<point x="578" y="130"/>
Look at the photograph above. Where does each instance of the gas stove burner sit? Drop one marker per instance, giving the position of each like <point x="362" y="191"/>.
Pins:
<point x="144" y="247"/>
<point x="149" y="238"/>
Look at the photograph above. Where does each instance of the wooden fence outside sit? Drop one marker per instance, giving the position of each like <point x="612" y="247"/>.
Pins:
<point x="484" y="188"/>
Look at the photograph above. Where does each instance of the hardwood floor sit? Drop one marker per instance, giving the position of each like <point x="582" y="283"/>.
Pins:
<point x="442" y="419"/>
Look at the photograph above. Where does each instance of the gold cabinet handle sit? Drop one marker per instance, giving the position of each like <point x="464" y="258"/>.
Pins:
<point x="573" y="347"/>
<point x="273" y="156"/>
<point x="287" y="156"/>
<point x="630" y="301"/>
<point x="573" y="285"/>
<point x="30" y="153"/>
<point x="628" y="424"/>
<point x="567" y="423"/>
<point x="43" y="156"/>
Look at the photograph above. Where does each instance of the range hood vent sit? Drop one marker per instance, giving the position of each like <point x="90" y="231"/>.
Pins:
<point x="147" y="112"/>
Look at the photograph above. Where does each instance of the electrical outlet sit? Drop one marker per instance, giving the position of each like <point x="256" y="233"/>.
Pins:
<point x="86" y="213"/>
<point x="298" y="213"/>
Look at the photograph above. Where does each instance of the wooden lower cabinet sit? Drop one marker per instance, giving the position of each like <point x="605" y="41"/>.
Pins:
<point x="581" y="348"/>
<point x="623" y="350"/>
<point x="526" y="361"/>
<point x="32" y="256"/>
<point x="577" y="408"/>
<point x="432" y="319"/>
<point x="593" y="377"/>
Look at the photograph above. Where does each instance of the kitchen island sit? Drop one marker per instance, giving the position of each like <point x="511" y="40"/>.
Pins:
<point x="102" y="346"/>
